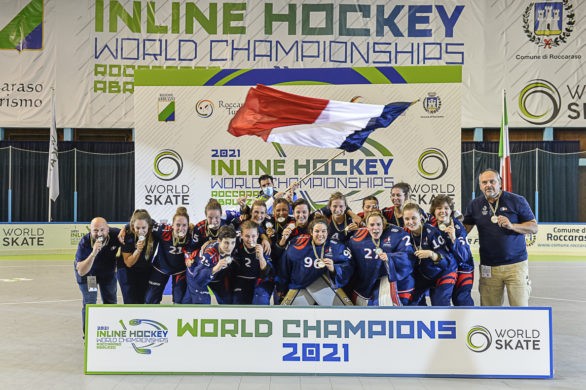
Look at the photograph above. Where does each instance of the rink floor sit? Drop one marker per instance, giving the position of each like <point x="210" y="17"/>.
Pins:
<point x="42" y="345"/>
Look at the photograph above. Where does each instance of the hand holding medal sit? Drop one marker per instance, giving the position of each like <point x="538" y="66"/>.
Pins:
<point x="325" y="262"/>
<point x="140" y="243"/>
<point x="381" y="254"/>
<point x="504" y="222"/>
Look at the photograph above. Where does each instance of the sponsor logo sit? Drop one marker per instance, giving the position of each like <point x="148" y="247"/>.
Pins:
<point x="142" y="335"/>
<point x="168" y="165"/>
<point x="22" y="237"/>
<point x="549" y="24"/>
<point x="478" y="339"/>
<point x="432" y="103"/>
<point x="540" y="88"/>
<point x="166" y="107"/>
<point x="432" y="164"/>
<point x="204" y="108"/>
<point x="25" y="30"/>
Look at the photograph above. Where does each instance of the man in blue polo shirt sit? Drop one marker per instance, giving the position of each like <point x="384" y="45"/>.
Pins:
<point x="95" y="264"/>
<point x="502" y="219"/>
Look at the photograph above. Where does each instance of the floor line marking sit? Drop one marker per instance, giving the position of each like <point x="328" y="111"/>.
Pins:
<point x="37" y="302"/>
<point x="559" y="299"/>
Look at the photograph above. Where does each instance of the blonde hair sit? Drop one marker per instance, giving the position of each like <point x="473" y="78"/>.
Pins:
<point x="375" y="213"/>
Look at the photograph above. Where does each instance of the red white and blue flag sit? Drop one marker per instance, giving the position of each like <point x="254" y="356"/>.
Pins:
<point x="286" y="118"/>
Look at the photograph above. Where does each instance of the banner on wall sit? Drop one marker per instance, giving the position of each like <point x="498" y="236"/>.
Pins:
<point x="89" y="50"/>
<point x="473" y="342"/>
<point x="184" y="154"/>
<point x="53" y="238"/>
<point x="552" y="238"/>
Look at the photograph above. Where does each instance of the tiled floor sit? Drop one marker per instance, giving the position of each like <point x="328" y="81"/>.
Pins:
<point x="41" y="345"/>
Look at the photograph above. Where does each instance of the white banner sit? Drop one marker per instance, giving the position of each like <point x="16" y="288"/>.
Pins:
<point x="90" y="49"/>
<point x="552" y="238"/>
<point x="40" y="238"/>
<point x="184" y="154"/>
<point x="478" y="342"/>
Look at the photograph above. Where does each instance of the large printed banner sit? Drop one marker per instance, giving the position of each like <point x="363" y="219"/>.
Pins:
<point x="552" y="238"/>
<point x="40" y="238"/>
<point x="475" y="342"/>
<point x="89" y="51"/>
<point x="184" y="154"/>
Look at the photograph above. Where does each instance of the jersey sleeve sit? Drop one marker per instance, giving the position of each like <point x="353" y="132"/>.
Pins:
<point x="342" y="264"/>
<point x="401" y="256"/>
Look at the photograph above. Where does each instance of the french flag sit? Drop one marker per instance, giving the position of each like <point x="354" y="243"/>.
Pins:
<point x="286" y="118"/>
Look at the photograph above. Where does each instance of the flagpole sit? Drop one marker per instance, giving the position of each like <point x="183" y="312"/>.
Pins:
<point x="321" y="165"/>
<point x="315" y="169"/>
<point x="53" y="166"/>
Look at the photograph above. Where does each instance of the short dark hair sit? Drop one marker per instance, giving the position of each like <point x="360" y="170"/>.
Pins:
<point x="317" y="221"/>
<point x="405" y="187"/>
<point x="226" y="231"/>
<point x="497" y="173"/>
<point x="265" y="177"/>
<point x="369" y="197"/>
<point x="301" y="201"/>
<point x="439" y="200"/>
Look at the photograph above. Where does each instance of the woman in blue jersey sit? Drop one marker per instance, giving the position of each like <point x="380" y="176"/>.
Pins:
<point x="314" y="269"/>
<point x="380" y="259"/>
<point x="302" y="216"/>
<point x="207" y="229"/>
<point x="175" y="245"/>
<point x="252" y="276"/>
<point x="341" y="225"/>
<point x="258" y="215"/>
<point x="212" y="270"/>
<point x="435" y="266"/>
<point x="137" y="253"/>
<point x="442" y="209"/>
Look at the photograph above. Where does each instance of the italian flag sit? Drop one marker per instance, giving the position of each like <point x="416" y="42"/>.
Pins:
<point x="504" y="150"/>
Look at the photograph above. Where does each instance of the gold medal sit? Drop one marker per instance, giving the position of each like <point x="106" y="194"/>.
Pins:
<point x="494" y="219"/>
<point x="378" y="251"/>
<point x="442" y="227"/>
<point x="319" y="263"/>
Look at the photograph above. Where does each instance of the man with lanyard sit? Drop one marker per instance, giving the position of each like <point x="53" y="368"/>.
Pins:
<point x="502" y="219"/>
<point x="95" y="264"/>
<point x="268" y="193"/>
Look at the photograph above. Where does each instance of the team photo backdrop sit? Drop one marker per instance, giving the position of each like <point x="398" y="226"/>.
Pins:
<point x="184" y="154"/>
<point x="89" y="50"/>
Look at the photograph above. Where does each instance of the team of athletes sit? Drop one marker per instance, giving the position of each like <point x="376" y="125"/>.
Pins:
<point x="293" y="256"/>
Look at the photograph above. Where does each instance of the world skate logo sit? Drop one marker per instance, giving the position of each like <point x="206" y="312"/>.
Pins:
<point x="549" y="24"/>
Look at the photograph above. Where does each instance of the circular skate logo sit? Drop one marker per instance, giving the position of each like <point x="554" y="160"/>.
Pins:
<point x="168" y="164"/>
<point x="478" y="339"/>
<point x="539" y="88"/>
<point x="432" y="164"/>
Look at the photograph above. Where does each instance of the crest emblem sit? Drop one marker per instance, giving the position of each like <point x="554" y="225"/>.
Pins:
<point x="549" y="24"/>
